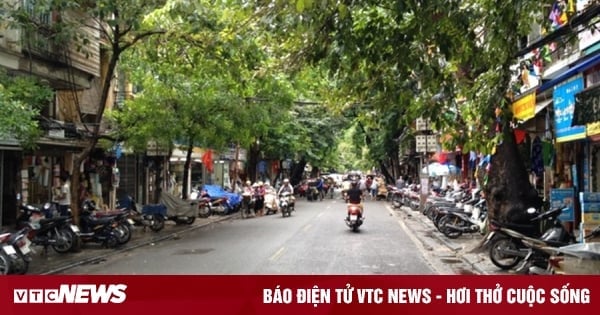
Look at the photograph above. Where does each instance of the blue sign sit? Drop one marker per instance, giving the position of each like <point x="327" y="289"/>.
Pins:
<point x="564" y="106"/>
<point x="564" y="197"/>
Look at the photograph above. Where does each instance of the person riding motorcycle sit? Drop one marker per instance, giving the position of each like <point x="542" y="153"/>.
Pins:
<point x="354" y="196"/>
<point x="287" y="187"/>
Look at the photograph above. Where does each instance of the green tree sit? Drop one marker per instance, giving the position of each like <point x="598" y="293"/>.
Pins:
<point x="120" y="24"/>
<point x="21" y="99"/>
<point x="209" y="78"/>
<point x="424" y="56"/>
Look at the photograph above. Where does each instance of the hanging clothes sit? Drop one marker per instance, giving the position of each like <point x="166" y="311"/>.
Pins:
<point x="537" y="159"/>
<point x="548" y="153"/>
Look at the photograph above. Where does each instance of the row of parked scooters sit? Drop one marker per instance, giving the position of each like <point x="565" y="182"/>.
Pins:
<point x="43" y="226"/>
<point x="542" y="246"/>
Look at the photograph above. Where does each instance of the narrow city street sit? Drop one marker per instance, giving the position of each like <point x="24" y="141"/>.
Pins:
<point x="314" y="240"/>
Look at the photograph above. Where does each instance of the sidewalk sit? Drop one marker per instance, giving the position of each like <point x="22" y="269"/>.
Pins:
<point x="465" y="247"/>
<point x="54" y="262"/>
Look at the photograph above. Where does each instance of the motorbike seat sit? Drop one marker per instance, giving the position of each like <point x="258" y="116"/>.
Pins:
<point x="99" y="220"/>
<point x="109" y="213"/>
<point x="526" y="229"/>
<point x="55" y="219"/>
<point x="553" y="243"/>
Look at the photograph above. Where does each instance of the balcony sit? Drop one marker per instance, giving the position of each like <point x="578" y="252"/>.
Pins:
<point x="37" y="43"/>
<point x="560" y="59"/>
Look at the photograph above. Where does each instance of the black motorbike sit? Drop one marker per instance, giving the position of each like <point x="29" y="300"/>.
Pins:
<point x="506" y="240"/>
<point x="103" y="230"/>
<point x="15" y="252"/>
<point x="57" y="232"/>
<point x="124" y="227"/>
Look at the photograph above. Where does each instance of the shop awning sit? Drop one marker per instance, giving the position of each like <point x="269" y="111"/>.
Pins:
<point x="577" y="68"/>
<point x="541" y="105"/>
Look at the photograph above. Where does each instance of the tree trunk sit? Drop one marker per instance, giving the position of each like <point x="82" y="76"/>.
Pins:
<point x="297" y="172"/>
<point x="508" y="191"/>
<point x="186" y="169"/>
<point x="389" y="178"/>
<point x="252" y="162"/>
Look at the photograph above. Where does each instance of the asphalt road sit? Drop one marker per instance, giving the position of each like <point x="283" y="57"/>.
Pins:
<point x="314" y="240"/>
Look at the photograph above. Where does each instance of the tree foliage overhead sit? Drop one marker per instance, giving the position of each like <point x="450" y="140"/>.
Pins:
<point x="445" y="60"/>
<point x="21" y="99"/>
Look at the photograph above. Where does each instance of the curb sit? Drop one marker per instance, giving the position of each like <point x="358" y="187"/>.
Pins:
<point x="135" y="246"/>
<point x="453" y="247"/>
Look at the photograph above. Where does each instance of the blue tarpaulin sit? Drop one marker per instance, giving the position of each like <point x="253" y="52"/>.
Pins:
<point x="216" y="191"/>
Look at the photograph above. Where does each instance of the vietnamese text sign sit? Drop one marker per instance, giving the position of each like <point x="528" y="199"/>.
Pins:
<point x="564" y="106"/>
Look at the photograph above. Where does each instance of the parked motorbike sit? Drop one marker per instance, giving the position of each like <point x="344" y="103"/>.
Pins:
<point x="146" y="217"/>
<point x="506" y="239"/>
<point x="178" y="210"/>
<point x="284" y="204"/>
<point x="98" y="229"/>
<point x="455" y="223"/>
<point x="573" y="259"/>
<point x="15" y="247"/>
<point x="5" y="260"/>
<point x="125" y="224"/>
<point x="354" y="219"/>
<point x="57" y="232"/>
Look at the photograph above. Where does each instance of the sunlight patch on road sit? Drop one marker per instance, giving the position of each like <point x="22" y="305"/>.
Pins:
<point x="277" y="254"/>
<point x="320" y="214"/>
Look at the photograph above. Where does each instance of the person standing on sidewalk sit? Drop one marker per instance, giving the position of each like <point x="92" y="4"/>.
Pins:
<point x="63" y="196"/>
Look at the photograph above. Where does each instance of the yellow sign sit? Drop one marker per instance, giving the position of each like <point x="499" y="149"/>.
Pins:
<point x="524" y="108"/>
<point x="593" y="129"/>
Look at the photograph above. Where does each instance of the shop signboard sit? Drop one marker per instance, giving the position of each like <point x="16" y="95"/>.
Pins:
<point x="563" y="197"/>
<point x="524" y="108"/>
<point x="564" y="106"/>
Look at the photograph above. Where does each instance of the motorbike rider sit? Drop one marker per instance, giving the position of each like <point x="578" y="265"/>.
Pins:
<point x="354" y="196"/>
<point x="247" y="193"/>
<point x="259" y="193"/>
<point x="287" y="187"/>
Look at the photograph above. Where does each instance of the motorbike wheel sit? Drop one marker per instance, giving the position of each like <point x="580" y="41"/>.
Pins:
<point x="189" y="220"/>
<point x="76" y="248"/>
<point x="123" y="233"/>
<point x="67" y="238"/>
<point x="447" y="231"/>
<point x="4" y="264"/>
<point x="21" y="267"/>
<point x="204" y="212"/>
<point x="157" y="224"/>
<point x="355" y="228"/>
<point x="501" y="260"/>
<point x="111" y="241"/>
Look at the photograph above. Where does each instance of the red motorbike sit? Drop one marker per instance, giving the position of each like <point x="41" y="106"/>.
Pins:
<point x="354" y="219"/>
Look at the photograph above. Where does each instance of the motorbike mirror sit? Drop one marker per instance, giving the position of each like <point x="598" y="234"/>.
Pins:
<point x="531" y="210"/>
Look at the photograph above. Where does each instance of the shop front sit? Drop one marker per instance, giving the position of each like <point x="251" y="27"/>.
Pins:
<point x="587" y="111"/>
